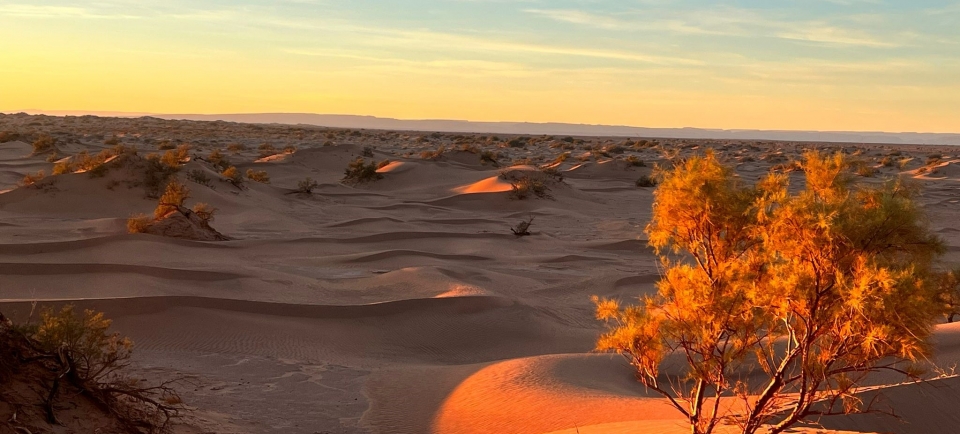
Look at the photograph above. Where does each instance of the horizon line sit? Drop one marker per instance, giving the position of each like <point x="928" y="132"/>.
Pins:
<point x="125" y="114"/>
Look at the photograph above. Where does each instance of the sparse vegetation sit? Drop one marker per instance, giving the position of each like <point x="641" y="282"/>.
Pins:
<point x="75" y="357"/>
<point x="199" y="176"/>
<point x="522" y="229"/>
<point x="359" y="171"/>
<point x="31" y="178"/>
<point x="175" y="194"/>
<point x="645" y="181"/>
<point x="233" y="176"/>
<point x="260" y="176"/>
<point x="306" y="186"/>
<point x="138" y="223"/>
<point x="435" y="154"/>
<point x="43" y="143"/>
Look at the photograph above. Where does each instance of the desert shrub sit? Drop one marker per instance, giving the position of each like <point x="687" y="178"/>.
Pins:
<point x="62" y="168"/>
<point x="176" y="157"/>
<point x="614" y="149"/>
<point x="75" y="356"/>
<point x="887" y="161"/>
<point x="433" y="155"/>
<point x="94" y="353"/>
<point x="934" y="159"/>
<point x="232" y="175"/>
<point x="490" y="157"/>
<point x="53" y="157"/>
<point x="172" y="200"/>
<point x="821" y="287"/>
<point x="367" y="152"/>
<point x="236" y="148"/>
<point x="526" y="161"/>
<point x="306" y="185"/>
<point x="522" y="229"/>
<point x="360" y="171"/>
<point x="266" y="150"/>
<point x="112" y="141"/>
<point x="43" y="143"/>
<point x="199" y="176"/>
<point x="204" y="211"/>
<point x="518" y="142"/>
<point x="165" y="146"/>
<point x="260" y="176"/>
<point x="552" y="172"/>
<point x="31" y="178"/>
<point x="524" y="187"/>
<point x="635" y="161"/>
<point x="863" y="169"/>
<point x="646" y="181"/>
<point x="155" y="174"/>
<point x="8" y="136"/>
<point x="139" y="223"/>
<point x="383" y="164"/>
<point x="471" y="148"/>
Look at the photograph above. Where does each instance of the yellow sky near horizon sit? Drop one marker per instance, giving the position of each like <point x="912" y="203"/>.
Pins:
<point x="257" y="59"/>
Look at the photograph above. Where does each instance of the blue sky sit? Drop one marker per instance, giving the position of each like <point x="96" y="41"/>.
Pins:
<point x="816" y="64"/>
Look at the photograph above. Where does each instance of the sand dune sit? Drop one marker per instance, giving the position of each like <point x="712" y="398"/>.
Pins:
<point x="403" y="305"/>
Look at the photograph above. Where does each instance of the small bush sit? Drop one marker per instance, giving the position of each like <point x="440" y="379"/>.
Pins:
<point x="433" y="155"/>
<point x="646" y="181"/>
<point x="166" y="145"/>
<point x="367" y="152"/>
<point x="359" y="171"/>
<point x="258" y="176"/>
<point x="232" y="175"/>
<point x="524" y="187"/>
<point x="490" y="157"/>
<point x="31" y="178"/>
<point x="204" y="211"/>
<point x="635" y="161"/>
<point x="93" y="352"/>
<point x="887" y="161"/>
<point x="266" y="150"/>
<point x="62" y="168"/>
<point x="155" y="174"/>
<point x="863" y="169"/>
<point x="43" y="143"/>
<point x="8" y="136"/>
<point x="199" y="176"/>
<point x="236" y="148"/>
<point x="518" y="142"/>
<point x="306" y="185"/>
<point x="289" y="149"/>
<point x="138" y="223"/>
<point x="53" y="157"/>
<point x="173" y="197"/>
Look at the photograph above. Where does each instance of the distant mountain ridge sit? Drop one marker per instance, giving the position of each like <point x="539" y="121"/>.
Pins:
<point x="564" y="129"/>
<point x="456" y="126"/>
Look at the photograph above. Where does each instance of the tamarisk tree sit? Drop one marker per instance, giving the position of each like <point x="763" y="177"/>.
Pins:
<point x="775" y="305"/>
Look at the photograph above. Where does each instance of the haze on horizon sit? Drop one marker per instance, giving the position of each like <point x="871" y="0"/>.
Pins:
<point x="841" y="65"/>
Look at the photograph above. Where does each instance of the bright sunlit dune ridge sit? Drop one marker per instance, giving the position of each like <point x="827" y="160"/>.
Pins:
<point x="826" y="65"/>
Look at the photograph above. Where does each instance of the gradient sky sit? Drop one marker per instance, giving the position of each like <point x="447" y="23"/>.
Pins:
<point x="801" y="64"/>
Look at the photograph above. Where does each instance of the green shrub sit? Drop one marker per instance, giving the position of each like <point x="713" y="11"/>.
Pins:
<point x="359" y="171"/>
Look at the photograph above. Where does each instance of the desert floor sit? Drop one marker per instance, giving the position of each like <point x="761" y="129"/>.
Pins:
<point x="402" y="305"/>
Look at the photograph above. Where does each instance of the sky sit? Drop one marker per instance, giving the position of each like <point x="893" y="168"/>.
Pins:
<point x="850" y="65"/>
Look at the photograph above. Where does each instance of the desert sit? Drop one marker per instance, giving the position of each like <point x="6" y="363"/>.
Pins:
<point x="356" y="281"/>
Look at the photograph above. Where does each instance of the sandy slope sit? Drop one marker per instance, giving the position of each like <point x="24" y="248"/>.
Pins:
<point x="400" y="306"/>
